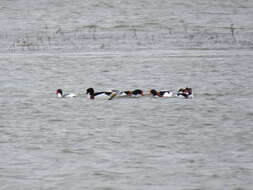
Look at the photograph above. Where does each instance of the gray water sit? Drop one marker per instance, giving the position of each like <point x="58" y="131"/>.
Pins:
<point x="140" y="143"/>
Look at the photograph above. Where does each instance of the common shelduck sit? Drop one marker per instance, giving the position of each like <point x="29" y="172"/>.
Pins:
<point x="61" y="95"/>
<point x="164" y="94"/>
<point x="128" y="93"/>
<point x="119" y="94"/>
<point x="137" y="93"/>
<point x="185" y="93"/>
<point x="98" y="95"/>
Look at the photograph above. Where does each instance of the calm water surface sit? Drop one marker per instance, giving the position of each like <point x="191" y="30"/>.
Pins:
<point x="140" y="143"/>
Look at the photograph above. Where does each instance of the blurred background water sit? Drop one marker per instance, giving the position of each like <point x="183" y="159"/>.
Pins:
<point x="140" y="143"/>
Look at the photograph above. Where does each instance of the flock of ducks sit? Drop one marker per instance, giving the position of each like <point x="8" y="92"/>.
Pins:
<point x="111" y="94"/>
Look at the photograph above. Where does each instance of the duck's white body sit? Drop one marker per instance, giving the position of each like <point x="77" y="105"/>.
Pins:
<point x="187" y="96"/>
<point x="166" y="94"/>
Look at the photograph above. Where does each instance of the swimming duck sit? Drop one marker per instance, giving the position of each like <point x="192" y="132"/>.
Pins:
<point x="185" y="93"/>
<point x="136" y="93"/>
<point x="120" y="94"/>
<point x="61" y="95"/>
<point x="164" y="94"/>
<point x="98" y="95"/>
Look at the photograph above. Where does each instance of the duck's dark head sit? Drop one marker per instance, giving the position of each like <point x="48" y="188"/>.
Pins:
<point x="153" y="92"/>
<point x="59" y="91"/>
<point x="90" y="91"/>
<point x="189" y="90"/>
